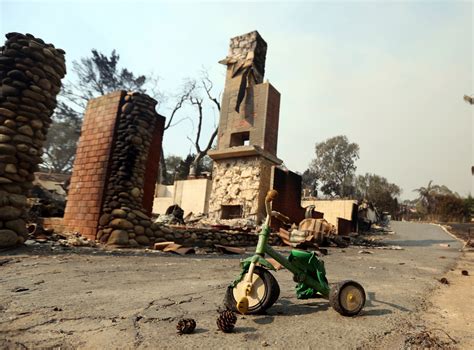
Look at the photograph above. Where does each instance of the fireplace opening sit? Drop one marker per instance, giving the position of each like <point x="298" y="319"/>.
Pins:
<point x="240" y="139"/>
<point x="231" y="211"/>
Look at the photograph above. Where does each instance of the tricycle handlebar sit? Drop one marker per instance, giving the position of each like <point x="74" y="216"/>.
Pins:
<point x="271" y="195"/>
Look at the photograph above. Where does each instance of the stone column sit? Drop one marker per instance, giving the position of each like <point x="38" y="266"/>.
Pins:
<point x="30" y="78"/>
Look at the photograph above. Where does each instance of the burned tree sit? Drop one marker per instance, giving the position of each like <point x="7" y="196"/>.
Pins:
<point x="198" y="103"/>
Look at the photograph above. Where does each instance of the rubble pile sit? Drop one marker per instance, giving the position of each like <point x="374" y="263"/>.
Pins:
<point x="315" y="233"/>
<point x="76" y="240"/>
<point x="427" y="340"/>
<point x="43" y="203"/>
<point x="238" y="224"/>
<point x="30" y="75"/>
<point x="208" y="237"/>
<point x="124" y="222"/>
<point x="39" y="234"/>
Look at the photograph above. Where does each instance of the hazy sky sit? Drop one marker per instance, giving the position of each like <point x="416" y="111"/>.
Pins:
<point x="389" y="75"/>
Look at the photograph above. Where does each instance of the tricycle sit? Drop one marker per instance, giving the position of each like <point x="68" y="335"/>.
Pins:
<point x="256" y="289"/>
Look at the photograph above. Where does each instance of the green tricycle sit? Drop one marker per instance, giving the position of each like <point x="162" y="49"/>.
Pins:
<point x="256" y="289"/>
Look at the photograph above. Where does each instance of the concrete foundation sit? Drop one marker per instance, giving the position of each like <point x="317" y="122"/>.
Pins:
<point x="191" y="195"/>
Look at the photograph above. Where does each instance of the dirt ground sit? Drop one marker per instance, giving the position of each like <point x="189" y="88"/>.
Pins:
<point x="447" y="314"/>
<point x="90" y="299"/>
<point x="451" y="309"/>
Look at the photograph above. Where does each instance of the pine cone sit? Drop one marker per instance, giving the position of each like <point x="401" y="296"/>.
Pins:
<point x="226" y="321"/>
<point x="186" y="326"/>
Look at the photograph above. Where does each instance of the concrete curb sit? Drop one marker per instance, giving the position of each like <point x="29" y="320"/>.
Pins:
<point x="452" y="235"/>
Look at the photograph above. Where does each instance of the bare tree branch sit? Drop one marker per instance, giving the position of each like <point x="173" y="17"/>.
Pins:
<point x="211" y="140"/>
<point x="188" y="90"/>
<point x="180" y="121"/>
<point x="207" y="84"/>
<point x="198" y="102"/>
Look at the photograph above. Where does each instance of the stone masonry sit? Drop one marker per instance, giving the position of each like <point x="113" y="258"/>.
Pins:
<point x="30" y="78"/>
<point x="248" y="133"/>
<point x="112" y="170"/>
<point x="240" y="182"/>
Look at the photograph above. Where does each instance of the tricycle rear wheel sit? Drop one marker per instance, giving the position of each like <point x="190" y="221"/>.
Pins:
<point x="347" y="298"/>
<point x="265" y="292"/>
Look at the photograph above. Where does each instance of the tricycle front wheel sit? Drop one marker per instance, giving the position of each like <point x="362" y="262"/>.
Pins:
<point x="347" y="298"/>
<point x="265" y="291"/>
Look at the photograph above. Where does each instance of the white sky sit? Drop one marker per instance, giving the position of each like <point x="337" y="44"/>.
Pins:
<point x="389" y="75"/>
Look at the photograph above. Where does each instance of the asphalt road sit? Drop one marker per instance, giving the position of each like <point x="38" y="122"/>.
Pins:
<point x="86" y="298"/>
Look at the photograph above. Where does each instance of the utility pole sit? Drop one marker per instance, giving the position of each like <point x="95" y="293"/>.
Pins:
<point x="470" y="100"/>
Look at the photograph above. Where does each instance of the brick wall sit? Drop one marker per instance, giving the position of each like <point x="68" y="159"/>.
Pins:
<point x="259" y="116"/>
<point x="272" y="119"/>
<point x="288" y="202"/>
<point x="91" y="165"/>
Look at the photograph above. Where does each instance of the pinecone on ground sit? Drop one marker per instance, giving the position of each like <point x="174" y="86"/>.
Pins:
<point x="186" y="326"/>
<point x="226" y="321"/>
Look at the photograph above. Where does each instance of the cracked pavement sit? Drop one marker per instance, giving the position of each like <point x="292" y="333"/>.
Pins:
<point x="89" y="298"/>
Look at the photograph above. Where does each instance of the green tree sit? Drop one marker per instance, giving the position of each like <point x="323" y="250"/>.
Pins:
<point x="439" y="203"/>
<point x="183" y="168"/>
<point x="334" y="166"/>
<point x="378" y="190"/>
<point x="99" y="74"/>
<point x="60" y="147"/>
<point x="309" y="182"/>
<point x="449" y="208"/>
<point x="469" y="206"/>
<point x="171" y="165"/>
<point x="426" y="196"/>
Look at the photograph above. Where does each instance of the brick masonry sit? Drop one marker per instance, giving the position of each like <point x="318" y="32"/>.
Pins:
<point x="288" y="202"/>
<point x="258" y="117"/>
<point x="91" y="165"/>
<point x="92" y="171"/>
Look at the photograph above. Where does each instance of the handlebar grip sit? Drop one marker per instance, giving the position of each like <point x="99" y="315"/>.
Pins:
<point x="271" y="195"/>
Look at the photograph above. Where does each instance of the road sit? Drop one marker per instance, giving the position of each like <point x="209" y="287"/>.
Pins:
<point x="87" y="298"/>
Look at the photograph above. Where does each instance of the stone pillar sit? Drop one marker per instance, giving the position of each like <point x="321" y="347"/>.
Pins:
<point x="117" y="161"/>
<point x="30" y="78"/>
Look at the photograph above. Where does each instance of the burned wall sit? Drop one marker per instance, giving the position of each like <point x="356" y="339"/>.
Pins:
<point x="108" y="184"/>
<point x="250" y="107"/>
<point x="30" y="78"/>
<point x="288" y="186"/>
<point x="256" y="122"/>
<point x="249" y="46"/>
